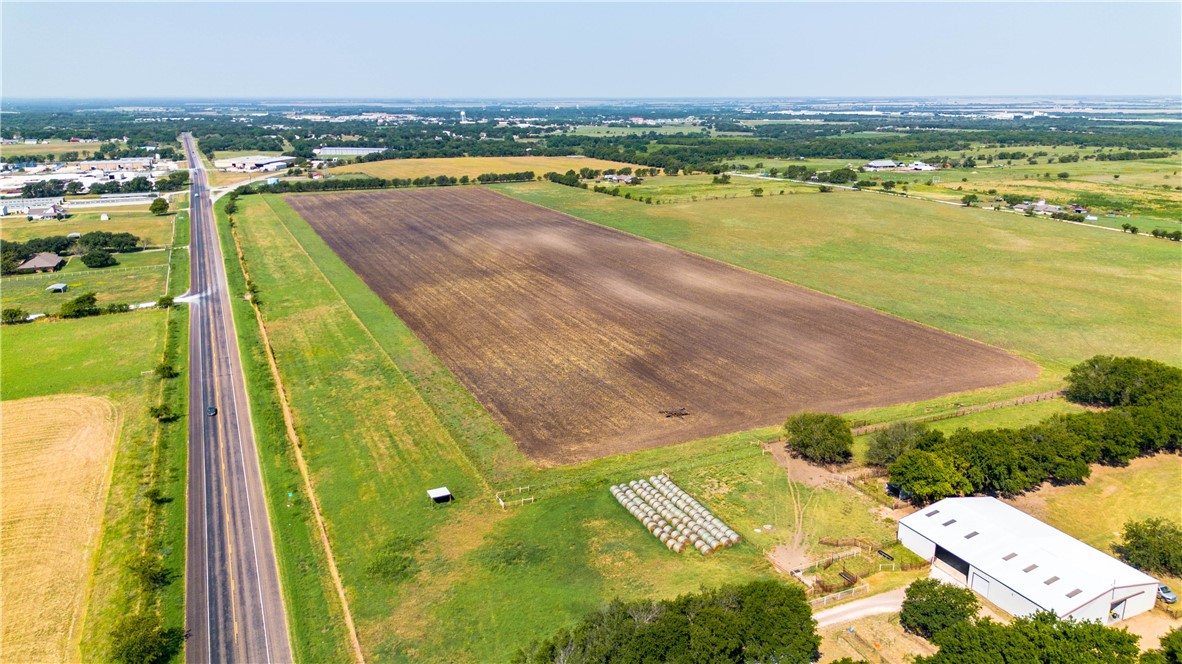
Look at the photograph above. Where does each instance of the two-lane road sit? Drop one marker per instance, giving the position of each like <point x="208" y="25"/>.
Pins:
<point x="234" y="605"/>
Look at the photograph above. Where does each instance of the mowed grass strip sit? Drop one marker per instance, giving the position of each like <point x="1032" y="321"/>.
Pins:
<point x="56" y="462"/>
<point x="472" y="166"/>
<point x="469" y="582"/>
<point x="1055" y="293"/>
<point x="372" y="446"/>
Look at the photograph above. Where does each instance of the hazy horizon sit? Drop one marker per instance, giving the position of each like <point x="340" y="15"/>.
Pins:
<point x="602" y="51"/>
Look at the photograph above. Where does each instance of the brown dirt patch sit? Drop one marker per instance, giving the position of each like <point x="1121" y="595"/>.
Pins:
<point x="575" y="336"/>
<point x="55" y="462"/>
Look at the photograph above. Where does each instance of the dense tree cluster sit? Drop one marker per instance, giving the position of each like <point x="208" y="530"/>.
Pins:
<point x="820" y="437"/>
<point x="98" y="258"/>
<point x="1042" y="637"/>
<point x="931" y="606"/>
<point x="569" y="178"/>
<point x="762" y="621"/>
<point x="14" y="253"/>
<point x="1152" y="545"/>
<point x="1129" y="156"/>
<point x="1145" y="417"/>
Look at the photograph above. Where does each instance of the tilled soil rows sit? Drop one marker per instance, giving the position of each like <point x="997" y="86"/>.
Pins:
<point x="576" y="337"/>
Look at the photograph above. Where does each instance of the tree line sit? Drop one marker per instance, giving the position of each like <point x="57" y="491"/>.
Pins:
<point x="946" y="615"/>
<point x="1139" y="412"/>
<point x="341" y="184"/>
<point x="97" y="245"/>
<point x="1142" y="414"/>
<point x="761" y="621"/>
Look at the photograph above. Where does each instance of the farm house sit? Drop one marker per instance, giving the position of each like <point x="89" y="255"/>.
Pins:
<point x="1022" y="564"/>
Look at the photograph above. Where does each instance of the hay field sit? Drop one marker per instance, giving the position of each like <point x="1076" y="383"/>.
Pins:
<point x="576" y="337"/>
<point x="472" y="166"/>
<point x="55" y="461"/>
<point x="57" y="147"/>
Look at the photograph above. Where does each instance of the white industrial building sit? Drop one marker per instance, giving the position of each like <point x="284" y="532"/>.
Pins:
<point x="1023" y="565"/>
<point x="255" y="162"/>
<point x="345" y="152"/>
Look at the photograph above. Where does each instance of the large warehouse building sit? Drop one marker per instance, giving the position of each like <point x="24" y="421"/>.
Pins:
<point x="1023" y="565"/>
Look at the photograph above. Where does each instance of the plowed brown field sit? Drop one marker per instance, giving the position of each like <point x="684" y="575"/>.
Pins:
<point x="575" y="336"/>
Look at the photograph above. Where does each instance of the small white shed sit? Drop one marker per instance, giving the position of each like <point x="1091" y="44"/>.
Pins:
<point x="440" y="495"/>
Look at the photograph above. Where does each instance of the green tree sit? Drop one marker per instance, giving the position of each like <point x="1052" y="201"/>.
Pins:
<point x="13" y="315"/>
<point x="762" y="621"/>
<point x="931" y="606"/>
<point x="84" y="305"/>
<point x="140" y="638"/>
<point x="820" y="437"/>
<point x="757" y="192"/>
<point x="158" y="206"/>
<point x="162" y="412"/>
<point x="887" y="445"/>
<point x="968" y="199"/>
<point x="166" y="370"/>
<point x="927" y="476"/>
<point x="1153" y="545"/>
<point x="164" y="302"/>
<point x="1105" y="380"/>
<point x="1170" y="651"/>
<point x="97" y="258"/>
<point x="1042" y="637"/>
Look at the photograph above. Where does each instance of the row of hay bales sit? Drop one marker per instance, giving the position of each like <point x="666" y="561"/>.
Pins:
<point x="673" y="516"/>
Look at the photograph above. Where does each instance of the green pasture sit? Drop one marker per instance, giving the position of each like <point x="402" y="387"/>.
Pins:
<point x="126" y="284"/>
<point x="154" y="230"/>
<point x="381" y="420"/>
<point x="1053" y="292"/>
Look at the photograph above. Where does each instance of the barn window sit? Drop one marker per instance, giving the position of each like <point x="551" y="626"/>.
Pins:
<point x="971" y="535"/>
<point x="1051" y="580"/>
<point x="1030" y="568"/>
<point x="1075" y="592"/>
<point x="1009" y="556"/>
<point x="949" y="522"/>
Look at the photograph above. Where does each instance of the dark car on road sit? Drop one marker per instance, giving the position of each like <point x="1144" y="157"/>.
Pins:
<point x="211" y="411"/>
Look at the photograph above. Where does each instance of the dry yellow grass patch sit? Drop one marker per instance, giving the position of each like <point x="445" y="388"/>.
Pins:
<point x="55" y="462"/>
<point x="473" y="166"/>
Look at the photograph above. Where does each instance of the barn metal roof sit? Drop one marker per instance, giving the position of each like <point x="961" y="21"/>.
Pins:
<point x="1043" y="564"/>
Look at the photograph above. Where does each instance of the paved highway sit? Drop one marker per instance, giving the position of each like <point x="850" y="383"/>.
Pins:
<point x="234" y="606"/>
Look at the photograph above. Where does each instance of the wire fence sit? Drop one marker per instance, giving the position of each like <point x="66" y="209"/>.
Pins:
<point x="964" y="410"/>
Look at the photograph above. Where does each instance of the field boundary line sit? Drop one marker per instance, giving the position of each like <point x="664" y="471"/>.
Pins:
<point x="293" y="437"/>
<point x="79" y="620"/>
<point x="964" y="411"/>
<point x="353" y="314"/>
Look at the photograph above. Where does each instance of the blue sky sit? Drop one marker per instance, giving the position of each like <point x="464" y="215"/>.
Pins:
<point x="568" y="50"/>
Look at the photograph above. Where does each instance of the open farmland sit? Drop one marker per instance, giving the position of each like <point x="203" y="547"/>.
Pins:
<point x="155" y="230"/>
<point x="1057" y="293"/>
<point x="472" y="166"/>
<point x="575" y="337"/>
<point x="56" y="462"/>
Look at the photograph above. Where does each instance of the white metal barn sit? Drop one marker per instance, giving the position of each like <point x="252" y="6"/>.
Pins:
<point x="1023" y="565"/>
